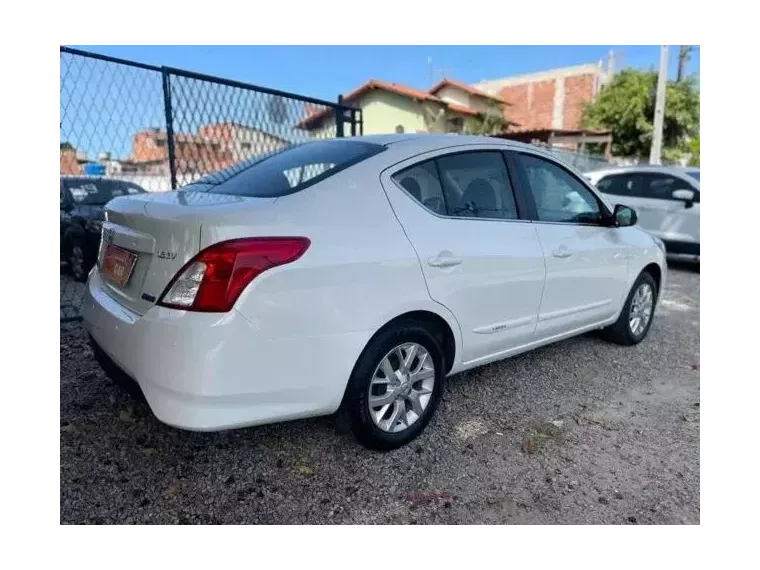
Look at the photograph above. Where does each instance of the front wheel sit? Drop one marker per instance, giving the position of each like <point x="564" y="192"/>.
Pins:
<point x="395" y="387"/>
<point x="635" y="319"/>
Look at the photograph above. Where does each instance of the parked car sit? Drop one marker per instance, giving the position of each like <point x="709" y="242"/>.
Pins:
<point x="666" y="199"/>
<point x="353" y="275"/>
<point x="82" y="202"/>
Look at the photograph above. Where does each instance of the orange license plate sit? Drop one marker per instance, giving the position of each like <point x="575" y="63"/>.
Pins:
<point x="118" y="264"/>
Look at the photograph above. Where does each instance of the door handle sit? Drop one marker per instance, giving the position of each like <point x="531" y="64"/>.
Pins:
<point x="441" y="260"/>
<point x="562" y="252"/>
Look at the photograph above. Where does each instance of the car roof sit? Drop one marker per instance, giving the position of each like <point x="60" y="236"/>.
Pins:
<point x="643" y="168"/>
<point x="428" y="141"/>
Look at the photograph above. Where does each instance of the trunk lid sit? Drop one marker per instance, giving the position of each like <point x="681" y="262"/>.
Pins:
<point x="163" y="231"/>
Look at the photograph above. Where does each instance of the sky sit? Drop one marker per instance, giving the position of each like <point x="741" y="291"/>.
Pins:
<point x="325" y="71"/>
<point x="103" y="104"/>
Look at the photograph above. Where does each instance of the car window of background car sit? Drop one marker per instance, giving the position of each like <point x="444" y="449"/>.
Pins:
<point x="132" y="188"/>
<point x="96" y="192"/>
<point x="660" y="186"/>
<point x="422" y="183"/>
<point x="694" y="174"/>
<point x="619" y="185"/>
<point x="476" y="185"/>
<point x="559" y="196"/>
<point x="286" y="171"/>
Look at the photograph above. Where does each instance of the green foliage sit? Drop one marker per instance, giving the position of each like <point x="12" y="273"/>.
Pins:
<point x="626" y="106"/>
<point x="694" y="149"/>
<point x="67" y="146"/>
<point x="491" y="122"/>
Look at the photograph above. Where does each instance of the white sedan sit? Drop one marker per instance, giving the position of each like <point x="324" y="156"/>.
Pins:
<point x="666" y="200"/>
<point x="353" y="275"/>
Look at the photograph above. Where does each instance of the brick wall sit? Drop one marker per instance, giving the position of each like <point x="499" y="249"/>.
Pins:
<point x="69" y="163"/>
<point x="578" y="92"/>
<point x="194" y="154"/>
<point x="148" y="146"/>
<point x="533" y="102"/>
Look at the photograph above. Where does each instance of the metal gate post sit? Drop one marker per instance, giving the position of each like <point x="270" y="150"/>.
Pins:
<point x="166" y="83"/>
<point x="339" y="117"/>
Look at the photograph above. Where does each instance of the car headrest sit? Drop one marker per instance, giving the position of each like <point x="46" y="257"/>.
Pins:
<point x="480" y="195"/>
<point x="413" y="187"/>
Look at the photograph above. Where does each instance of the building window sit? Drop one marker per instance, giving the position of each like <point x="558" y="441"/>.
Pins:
<point x="399" y="129"/>
<point x="245" y="146"/>
<point x="160" y="142"/>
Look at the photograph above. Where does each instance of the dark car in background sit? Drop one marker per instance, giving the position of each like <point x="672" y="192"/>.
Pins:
<point x="82" y="212"/>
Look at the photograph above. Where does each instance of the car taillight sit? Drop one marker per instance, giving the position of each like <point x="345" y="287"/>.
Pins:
<point x="213" y="280"/>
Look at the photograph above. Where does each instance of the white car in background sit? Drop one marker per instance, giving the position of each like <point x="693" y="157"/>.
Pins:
<point x="354" y="275"/>
<point x="666" y="200"/>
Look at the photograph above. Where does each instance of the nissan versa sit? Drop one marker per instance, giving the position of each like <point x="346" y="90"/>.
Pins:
<point x="353" y="275"/>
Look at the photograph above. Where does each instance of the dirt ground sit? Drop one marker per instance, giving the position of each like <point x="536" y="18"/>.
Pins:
<point x="579" y="432"/>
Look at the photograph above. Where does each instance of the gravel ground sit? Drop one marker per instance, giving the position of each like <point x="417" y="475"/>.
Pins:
<point x="71" y="296"/>
<point x="623" y="448"/>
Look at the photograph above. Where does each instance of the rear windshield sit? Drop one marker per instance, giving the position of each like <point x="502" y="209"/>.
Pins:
<point x="286" y="171"/>
<point x="98" y="191"/>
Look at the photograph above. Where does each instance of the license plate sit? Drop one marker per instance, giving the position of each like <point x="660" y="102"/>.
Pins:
<point x="118" y="264"/>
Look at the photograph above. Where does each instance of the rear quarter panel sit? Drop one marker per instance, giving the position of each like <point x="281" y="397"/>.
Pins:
<point x="359" y="272"/>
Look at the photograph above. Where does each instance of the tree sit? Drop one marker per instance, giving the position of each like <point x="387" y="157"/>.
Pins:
<point x="683" y="58"/>
<point x="694" y="148"/>
<point x="626" y="106"/>
<point x="66" y="146"/>
<point x="490" y="122"/>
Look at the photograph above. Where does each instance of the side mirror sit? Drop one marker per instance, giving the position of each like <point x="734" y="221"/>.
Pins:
<point x="623" y="216"/>
<point x="684" y="195"/>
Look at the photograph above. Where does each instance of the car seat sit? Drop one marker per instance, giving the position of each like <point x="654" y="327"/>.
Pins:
<point x="479" y="196"/>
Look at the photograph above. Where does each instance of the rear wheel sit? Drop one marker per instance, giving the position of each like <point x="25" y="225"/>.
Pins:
<point x="635" y="319"/>
<point x="395" y="387"/>
<point x="77" y="260"/>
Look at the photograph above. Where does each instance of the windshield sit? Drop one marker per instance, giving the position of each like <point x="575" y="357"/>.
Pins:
<point x="694" y="174"/>
<point x="97" y="192"/>
<point x="285" y="171"/>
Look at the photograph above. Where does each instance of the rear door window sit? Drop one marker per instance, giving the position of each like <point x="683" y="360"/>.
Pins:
<point x="286" y="171"/>
<point x="476" y="185"/>
<point x="465" y="184"/>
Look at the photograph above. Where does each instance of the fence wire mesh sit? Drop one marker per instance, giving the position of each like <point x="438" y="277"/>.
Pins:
<point x="128" y="127"/>
<point x="216" y="125"/>
<point x="583" y="162"/>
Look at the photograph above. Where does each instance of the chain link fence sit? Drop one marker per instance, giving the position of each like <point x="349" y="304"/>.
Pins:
<point x="129" y="127"/>
<point x="588" y="162"/>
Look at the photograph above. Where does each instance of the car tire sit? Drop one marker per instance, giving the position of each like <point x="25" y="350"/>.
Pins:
<point x="417" y="385"/>
<point x="626" y="331"/>
<point x="76" y="259"/>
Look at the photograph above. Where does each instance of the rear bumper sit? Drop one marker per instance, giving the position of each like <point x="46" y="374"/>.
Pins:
<point x="208" y="372"/>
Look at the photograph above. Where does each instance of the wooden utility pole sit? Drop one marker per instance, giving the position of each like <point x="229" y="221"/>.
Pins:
<point x="659" y="108"/>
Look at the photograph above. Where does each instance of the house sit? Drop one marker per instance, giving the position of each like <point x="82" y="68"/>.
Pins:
<point x="194" y="154"/>
<point x="214" y="146"/>
<point x="72" y="160"/>
<point x="392" y="107"/>
<point x="241" y="141"/>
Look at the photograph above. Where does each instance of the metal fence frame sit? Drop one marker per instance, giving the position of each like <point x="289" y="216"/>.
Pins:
<point x="348" y="118"/>
<point x="344" y="113"/>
